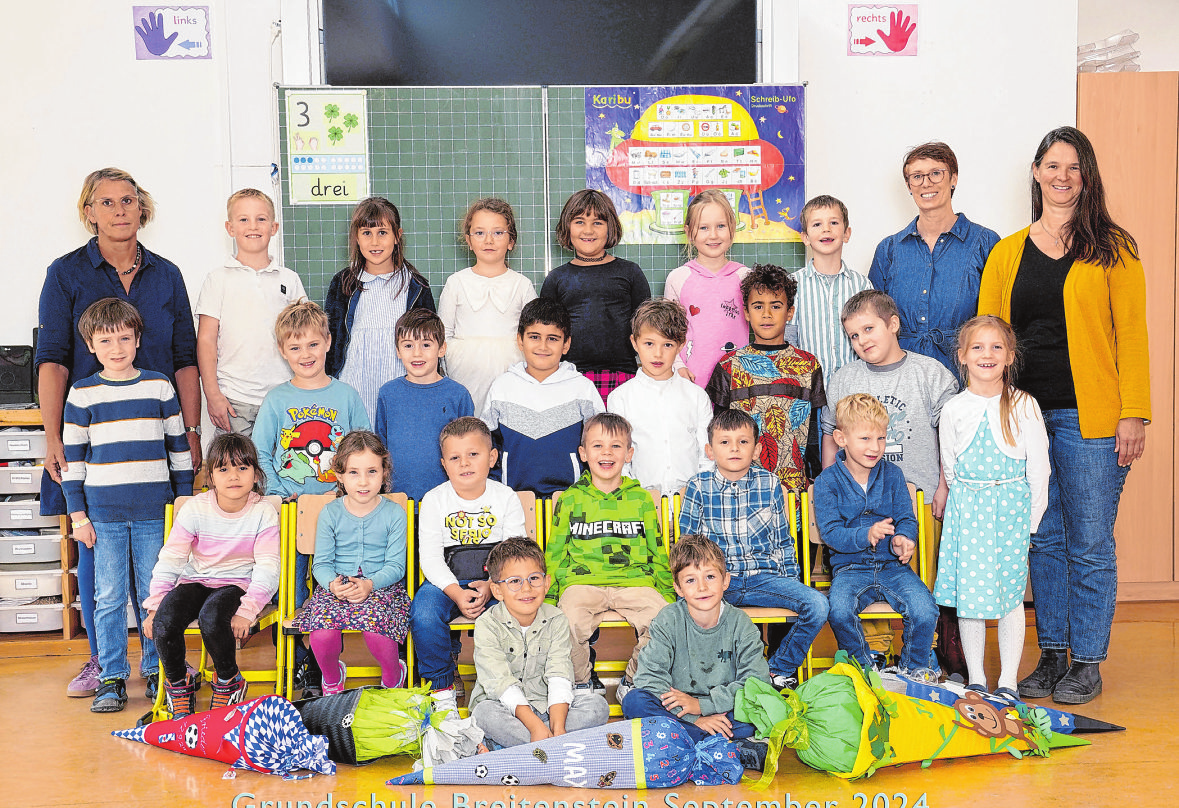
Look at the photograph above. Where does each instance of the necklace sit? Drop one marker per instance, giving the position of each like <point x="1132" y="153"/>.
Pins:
<point x="597" y="260"/>
<point x="138" y="260"/>
<point x="1045" y="229"/>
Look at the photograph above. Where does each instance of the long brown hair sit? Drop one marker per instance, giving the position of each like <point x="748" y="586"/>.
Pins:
<point x="374" y="212"/>
<point x="1093" y="236"/>
<point x="1011" y="395"/>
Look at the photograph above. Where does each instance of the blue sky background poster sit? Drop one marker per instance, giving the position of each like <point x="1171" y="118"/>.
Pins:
<point x="652" y="148"/>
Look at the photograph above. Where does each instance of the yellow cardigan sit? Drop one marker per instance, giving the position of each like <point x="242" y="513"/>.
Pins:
<point x="1105" y="315"/>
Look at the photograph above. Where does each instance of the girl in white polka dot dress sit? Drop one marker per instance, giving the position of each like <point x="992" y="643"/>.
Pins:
<point x="995" y="457"/>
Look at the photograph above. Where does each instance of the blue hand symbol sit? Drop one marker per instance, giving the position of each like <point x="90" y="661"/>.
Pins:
<point x="152" y="33"/>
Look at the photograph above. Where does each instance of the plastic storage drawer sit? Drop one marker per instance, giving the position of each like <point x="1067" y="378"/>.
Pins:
<point x="20" y="479"/>
<point x="29" y="549"/>
<point x="21" y="445"/>
<point x="24" y="513"/>
<point x="35" y="617"/>
<point x="29" y="580"/>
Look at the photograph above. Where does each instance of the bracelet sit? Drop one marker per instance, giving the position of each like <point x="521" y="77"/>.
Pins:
<point x="85" y="521"/>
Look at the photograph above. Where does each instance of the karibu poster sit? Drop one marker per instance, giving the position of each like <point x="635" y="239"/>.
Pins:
<point x="652" y="148"/>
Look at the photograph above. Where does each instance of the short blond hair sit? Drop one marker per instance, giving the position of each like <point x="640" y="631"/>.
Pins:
<point x="147" y="205"/>
<point x="300" y="318"/>
<point x="860" y="408"/>
<point x="248" y="193"/>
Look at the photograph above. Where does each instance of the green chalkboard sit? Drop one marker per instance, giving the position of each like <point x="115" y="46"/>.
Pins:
<point x="434" y="150"/>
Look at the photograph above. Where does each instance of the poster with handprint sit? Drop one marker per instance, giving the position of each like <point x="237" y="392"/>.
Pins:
<point x="171" y="32"/>
<point x="327" y="146"/>
<point x="882" y="30"/>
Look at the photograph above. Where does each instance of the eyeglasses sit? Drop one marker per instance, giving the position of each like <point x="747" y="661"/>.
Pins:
<point x="516" y="583"/>
<point x="479" y="235"/>
<point x="935" y="176"/>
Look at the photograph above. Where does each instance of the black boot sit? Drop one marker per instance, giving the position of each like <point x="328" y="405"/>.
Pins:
<point x="1081" y="684"/>
<point x="1051" y="669"/>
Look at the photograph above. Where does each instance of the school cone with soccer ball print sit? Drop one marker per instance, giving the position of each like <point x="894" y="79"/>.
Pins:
<point x="264" y="735"/>
<point x="844" y="722"/>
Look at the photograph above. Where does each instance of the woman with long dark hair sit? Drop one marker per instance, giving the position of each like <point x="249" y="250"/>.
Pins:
<point x="1073" y="288"/>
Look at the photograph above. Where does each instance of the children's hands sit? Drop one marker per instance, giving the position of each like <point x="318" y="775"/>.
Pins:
<point x="85" y="534"/>
<point x="240" y="627"/>
<point x="938" y="505"/>
<point x="881" y="530"/>
<point x="146" y="627"/>
<point x="362" y="588"/>
<point x="677" y="698"/>
<point x="903" y="547"/>
<point x="470" y="602"/>
<point x="687" y="374"/>
<point x="352" y="590"/>
<point x="716" y="724"/>
<point x="540" y="731"/>
<point x="220" y="410"/>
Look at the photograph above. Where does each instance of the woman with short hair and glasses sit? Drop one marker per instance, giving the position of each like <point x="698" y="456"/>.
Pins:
<point x="932" y="268"/>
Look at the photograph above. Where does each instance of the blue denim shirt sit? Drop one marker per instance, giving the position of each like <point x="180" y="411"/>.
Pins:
<point x="936" y="291"/>
<point x="844" y="512"/>
<point x="83" y="276"/>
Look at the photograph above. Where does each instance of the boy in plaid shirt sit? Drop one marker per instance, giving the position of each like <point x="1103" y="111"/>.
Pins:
<point x="741" y="507"/>
<point x="606" y="550"/>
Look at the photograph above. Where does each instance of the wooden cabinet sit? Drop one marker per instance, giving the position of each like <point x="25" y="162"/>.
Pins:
<point x="1133" y="121"/>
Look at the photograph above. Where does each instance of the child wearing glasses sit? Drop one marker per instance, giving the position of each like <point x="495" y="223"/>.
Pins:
<point x="481" y="304"/>
<point x="524" y="689"/>
<point x="606" y="549"/>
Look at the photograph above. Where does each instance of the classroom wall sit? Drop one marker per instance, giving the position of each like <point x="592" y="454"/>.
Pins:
<point x="192" y="131"/>
<point x="988" y="78"/>
<point x="1156" y="21"/>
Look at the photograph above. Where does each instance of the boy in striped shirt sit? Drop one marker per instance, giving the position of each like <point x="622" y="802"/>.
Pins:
<point x="127" y="457"/>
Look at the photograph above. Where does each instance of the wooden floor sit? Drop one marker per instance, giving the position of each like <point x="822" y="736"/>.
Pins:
<point x="54" y="752"/>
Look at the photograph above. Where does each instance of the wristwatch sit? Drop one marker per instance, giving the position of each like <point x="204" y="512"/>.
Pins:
<point x="195" y="429"/>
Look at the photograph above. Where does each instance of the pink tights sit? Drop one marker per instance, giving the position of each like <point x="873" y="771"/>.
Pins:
<point x="327" y="644"/>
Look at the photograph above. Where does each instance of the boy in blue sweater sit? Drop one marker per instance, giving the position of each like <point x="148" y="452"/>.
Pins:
<point x="127" y="456"/>
<point x="865" y="518"/>
<point x="433" y="399"/>
<point x="535" y="410"/>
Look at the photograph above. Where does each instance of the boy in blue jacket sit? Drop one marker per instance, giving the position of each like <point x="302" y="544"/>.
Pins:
<point x="865" y="517"/>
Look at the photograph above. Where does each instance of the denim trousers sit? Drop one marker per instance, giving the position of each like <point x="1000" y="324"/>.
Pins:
<point x="86" y="600"/>
<point x="434" y="644"/>
<point x="857" y="586"/>
<point x="641" y="703"/>
<point x="212" y="608"/>
<point x="119" y="548"/>
<point x="776" y="591"/>
<point x="1073" y="562"/>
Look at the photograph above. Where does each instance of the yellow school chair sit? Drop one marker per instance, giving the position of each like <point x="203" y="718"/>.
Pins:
<point x="614" y="668"/>
<point x="875" y="611"/>
<point x="461" y="623"/>
<point x="305" y="517"/>
<point x="269" y="616"/>
<point x="762" y="616"/>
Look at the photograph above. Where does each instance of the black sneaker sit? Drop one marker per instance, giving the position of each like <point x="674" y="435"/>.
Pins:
<point x="782" y="681"/>
<point x="153" y="688"/>
<point x="752" y="753"/>
<point x="111" y="696"/>
<point x="596" y="684"/>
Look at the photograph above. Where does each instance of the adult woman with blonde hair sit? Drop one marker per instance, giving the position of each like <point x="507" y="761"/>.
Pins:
<point x="113" y="207"/>
<point x="1073" y="288"/>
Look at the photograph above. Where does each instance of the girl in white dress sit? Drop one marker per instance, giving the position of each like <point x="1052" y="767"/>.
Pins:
<point x="480" y="306"/>
<point x="995" y="457"/>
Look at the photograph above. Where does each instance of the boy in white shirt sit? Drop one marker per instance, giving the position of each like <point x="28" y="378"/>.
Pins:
<point x="458" y="524"/>
<point x="237" y="355"/>
<point x="668" y="414"/>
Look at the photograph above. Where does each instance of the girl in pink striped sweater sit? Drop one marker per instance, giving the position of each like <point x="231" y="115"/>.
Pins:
<point x="219" y="566"/>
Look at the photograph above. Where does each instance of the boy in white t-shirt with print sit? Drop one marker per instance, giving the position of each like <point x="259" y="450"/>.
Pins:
<point x="239" y="302"/>
<point x="458" y="523"/>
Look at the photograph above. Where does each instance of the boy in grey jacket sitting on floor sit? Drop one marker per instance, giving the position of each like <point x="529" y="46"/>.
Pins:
<point x="523" y="665"/>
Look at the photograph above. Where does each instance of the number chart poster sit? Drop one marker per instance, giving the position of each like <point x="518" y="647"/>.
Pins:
<point x="651" y="149"/>
<point x="327" y="152"/>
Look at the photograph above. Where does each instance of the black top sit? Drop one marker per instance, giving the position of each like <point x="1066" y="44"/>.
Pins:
<point x="1037" y="315"/>
<point x="601" y="299"/>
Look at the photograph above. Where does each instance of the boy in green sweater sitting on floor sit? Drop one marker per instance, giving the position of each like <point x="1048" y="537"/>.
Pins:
<point x="701" y="652"/>
<point x="606" y="548"/>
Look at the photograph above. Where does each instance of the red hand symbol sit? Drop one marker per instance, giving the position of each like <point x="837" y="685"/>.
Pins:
<point x="900" y="29"/>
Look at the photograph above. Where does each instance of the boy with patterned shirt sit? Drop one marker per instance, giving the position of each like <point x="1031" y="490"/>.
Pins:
<point x="606" y="549"/>
<point x="778" y="385"/>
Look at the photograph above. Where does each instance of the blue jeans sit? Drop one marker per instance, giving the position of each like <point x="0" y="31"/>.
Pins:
<point x="434" y="644"/>
<point x="775" y="591"/>
<point x="857" y="586"/>
<point x="641" y="703"/>
<point x="86" y="600"/>
<point x="119" y="548"/>
<point x="1073" y="562"/>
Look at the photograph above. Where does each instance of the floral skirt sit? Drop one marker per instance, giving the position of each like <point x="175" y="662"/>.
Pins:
<point x="385" y="612"/>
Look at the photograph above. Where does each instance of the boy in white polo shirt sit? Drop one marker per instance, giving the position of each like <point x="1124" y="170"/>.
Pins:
<point x="239" y="302"/>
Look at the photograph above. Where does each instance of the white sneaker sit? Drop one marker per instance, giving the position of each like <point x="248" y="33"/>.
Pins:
<point x="625" y="685"/>
<point x="781" y="681"/>
<point x="445" y="700"/>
